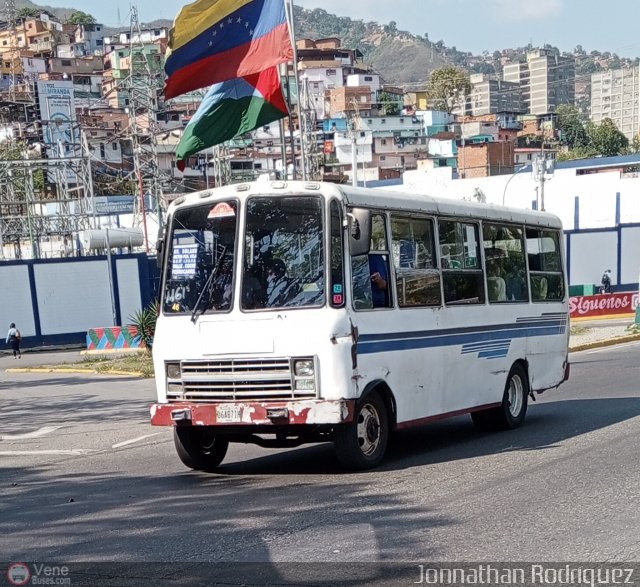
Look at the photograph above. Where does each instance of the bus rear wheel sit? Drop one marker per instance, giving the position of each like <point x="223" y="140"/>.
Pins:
<point x="361" y="444"/>
<point x="199" y="448"/>
<point x="513" y="408"/>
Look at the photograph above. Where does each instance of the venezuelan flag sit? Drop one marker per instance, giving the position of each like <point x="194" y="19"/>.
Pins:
<point x="233" y="108"/>
<point x="217" y="40"/>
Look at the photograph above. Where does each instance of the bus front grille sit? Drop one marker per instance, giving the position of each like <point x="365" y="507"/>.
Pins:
<point x="238" y="380"/>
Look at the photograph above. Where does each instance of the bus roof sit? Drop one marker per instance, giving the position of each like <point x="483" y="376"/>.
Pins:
<point x="447" y="206"/>
<point x="377" y="198"/>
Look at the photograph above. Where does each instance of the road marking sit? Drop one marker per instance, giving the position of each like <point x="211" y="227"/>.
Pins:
<point x="36" y="434"/>
<point x="134" y="440"/>
<point x="72" y="451"/>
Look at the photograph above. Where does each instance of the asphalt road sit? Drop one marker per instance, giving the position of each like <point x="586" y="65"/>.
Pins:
<point x="84" y="477"/>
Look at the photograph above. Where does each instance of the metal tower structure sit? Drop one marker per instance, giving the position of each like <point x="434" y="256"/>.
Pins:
<point x="144" y="88"/>
<point x="221" y="165"/>
<point x="309" y="133"/>
<point x="43" y="198"/>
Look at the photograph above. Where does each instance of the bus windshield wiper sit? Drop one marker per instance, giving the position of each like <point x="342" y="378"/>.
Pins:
<point x="208" y="288"/>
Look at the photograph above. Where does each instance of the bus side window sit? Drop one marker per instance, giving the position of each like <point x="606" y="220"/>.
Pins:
<point x="462" y="275"/>
<point x="371" y="279"/>
<point x="546" y="277"/>
<point x="417" y="277"/>
<point x="505" y="263"/>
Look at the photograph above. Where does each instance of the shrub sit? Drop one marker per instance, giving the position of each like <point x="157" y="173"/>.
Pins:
<point x="144" y="321"/>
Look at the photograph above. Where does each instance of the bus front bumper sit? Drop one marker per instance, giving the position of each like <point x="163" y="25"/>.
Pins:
<point x="253" y="413"/>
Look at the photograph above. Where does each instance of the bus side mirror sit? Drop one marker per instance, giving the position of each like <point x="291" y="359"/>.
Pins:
<point x="359" y="223"/>
<point x="160" y="247"/>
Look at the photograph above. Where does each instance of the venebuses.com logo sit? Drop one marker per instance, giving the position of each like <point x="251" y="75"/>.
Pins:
<point x="18" y="574"/>
<point x="38" y="574"/>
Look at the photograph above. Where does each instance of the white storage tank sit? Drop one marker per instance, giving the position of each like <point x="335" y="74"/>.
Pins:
<point x="118" y="238"/>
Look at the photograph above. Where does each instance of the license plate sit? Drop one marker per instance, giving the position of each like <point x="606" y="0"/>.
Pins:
<point x="229" y="414"/>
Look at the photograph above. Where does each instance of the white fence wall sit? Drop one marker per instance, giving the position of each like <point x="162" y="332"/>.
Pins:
<point x="55" y="301"/>
<point x="591" y="253"/>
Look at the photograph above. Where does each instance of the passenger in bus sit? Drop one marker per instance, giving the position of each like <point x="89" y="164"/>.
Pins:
<point x="277" y="288"/>
<point x="516" y="287"/>
<point x="495" y="283"/>
<point x="539" y="287"/>
<point x="253" y="294"/>
<point x="446" y="260"/>
<point x="379" y="280"/>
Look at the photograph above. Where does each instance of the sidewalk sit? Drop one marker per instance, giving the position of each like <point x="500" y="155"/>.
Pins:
<point x="586" y="335"/>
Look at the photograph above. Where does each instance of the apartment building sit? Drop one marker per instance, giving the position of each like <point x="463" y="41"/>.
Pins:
<point x="324" y="66"/>
<point x="615" y="94"/>
<point x="547" y="80"/>
<point x="490" y="95"/>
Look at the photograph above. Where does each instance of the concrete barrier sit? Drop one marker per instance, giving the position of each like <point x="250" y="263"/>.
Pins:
<point x="113" y="338"/>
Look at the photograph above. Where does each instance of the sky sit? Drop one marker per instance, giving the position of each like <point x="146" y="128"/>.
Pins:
<point x="469" y="25"/>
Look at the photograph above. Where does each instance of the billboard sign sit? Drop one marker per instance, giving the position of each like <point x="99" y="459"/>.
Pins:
<point x="58" y="115"/>
<point x="615" y="305"/>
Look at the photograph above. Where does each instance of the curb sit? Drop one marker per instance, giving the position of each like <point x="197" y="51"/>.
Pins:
<point x="604" y="343"/>
<point x="74" y="370"/>
<point x="108" y="352"/>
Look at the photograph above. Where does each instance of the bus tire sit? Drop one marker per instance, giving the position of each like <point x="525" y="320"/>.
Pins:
<point x="199" y="448"/>
<point x="361" y="444"/>
<point x="513" y="409"/>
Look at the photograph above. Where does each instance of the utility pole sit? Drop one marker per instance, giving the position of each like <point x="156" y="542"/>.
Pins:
<point x="11" y="16"/>
<point x="144" y="84"/>
<point x="540" y="169"/>
<point x="354" y="125"/>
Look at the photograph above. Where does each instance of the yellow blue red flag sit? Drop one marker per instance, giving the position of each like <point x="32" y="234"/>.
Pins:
<point x="217" y="40"/>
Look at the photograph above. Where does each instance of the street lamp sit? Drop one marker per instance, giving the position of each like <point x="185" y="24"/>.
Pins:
<point x="504" y="193"/>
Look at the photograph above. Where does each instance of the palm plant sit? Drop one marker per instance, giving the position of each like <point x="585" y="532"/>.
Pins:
<point x="144" y="321"/>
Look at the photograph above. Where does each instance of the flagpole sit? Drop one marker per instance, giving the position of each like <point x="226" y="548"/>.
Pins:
<point x="303" y="163"/>
<point x="292" y="140"/>
<point x="283" y="150"/>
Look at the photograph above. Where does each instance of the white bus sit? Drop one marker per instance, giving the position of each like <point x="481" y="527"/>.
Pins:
<point x="299" y="312"/>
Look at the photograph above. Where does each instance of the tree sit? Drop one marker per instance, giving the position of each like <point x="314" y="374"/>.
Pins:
<point x="448" y="87"/>
<point x="28" y="12"/>
<point x="390" y="103"/>
<point x="571" y="125"/>
<point x="606" y="139"/>
<point x="79" y="17"/>
<point x="577" y="153"/>
<point x="634" y="146"/>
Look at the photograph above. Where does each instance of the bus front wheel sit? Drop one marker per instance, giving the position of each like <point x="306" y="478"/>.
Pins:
<point x="513" y="408"/>
<point x="199" y="448"/>
<point x="361" y="444"/>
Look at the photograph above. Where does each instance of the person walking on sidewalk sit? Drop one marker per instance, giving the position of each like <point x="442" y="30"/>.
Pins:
<point x="13" y="337"/>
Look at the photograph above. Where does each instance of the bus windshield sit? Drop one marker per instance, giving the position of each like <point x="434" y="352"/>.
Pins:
<point x="201" y="258"/>
<point x="282" y="265"/>
<point x="283" y="257"/>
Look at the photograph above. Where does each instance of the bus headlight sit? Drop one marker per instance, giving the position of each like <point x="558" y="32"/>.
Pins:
<point x="304" y="385"/>
<point x="303" y="368"/>
<point x="174" y="371"/>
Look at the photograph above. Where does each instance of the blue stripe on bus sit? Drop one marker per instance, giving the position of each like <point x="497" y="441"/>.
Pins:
<point x="481" y="346"/>
<point x="545" y="320"/>
<point x="479" y="336"/>
<point x="493" y="354"/>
